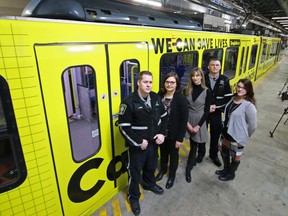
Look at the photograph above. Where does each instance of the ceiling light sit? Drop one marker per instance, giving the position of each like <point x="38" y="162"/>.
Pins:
<point x="152" y="3"/>
<point x="279" y="17"/>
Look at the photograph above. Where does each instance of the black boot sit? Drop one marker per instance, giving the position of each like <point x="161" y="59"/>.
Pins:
<point x="230" y="174"/>
<point x="188" y="175"/>
<point x="160" y="175"/>
<point x="226" y="161"/>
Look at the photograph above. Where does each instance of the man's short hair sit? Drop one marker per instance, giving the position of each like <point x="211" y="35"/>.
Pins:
<point x="140" y="76"/>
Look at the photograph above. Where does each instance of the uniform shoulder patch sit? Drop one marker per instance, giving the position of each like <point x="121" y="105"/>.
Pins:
<point x="123" y="108"/>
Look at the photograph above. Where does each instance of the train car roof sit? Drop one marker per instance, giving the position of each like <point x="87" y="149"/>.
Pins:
<point x="108" y="12"/>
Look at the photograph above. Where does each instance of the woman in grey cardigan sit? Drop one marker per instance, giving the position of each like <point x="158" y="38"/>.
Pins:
<point x="240" y="122"/>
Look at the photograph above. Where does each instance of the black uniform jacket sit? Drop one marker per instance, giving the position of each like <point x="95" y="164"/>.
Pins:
<point x="221" y="94"/>
<point x="138" y="122"/>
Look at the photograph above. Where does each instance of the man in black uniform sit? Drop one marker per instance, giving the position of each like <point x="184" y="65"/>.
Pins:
<point x="142" y="123"/>
<point x="221" y="95"/>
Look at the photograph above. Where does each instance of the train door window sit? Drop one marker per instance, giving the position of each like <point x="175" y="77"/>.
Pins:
<point x="273" y="50"/>
<point x="253" y="56"/>
<point x="209" y="54"/>
<point x="263" y="56"/>
<point x="246" y="60"/>
<point x="242" y="61"/>
<point x="12" y="166"/>
<point x="230" y="62"/>
<point x="181" y="63"/>
<point x="79" y="85"/>
<point x="129" y="70"/>
<point x="268" y="52"/>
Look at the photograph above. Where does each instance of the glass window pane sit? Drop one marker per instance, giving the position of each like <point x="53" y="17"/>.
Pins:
<point x="129" y="70"/>
<point x="79" y="85"/>
<point x="230" y="62"/>
<point x="247" y="54"/>
<point x="263" y="57"/>
<point x="209" y="54"/>
<point x="253" y="56"/>
<point x="242" y="62"/>
<point x="181" y="63"/>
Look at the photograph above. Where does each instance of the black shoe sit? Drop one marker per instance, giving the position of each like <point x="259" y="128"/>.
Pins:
<point x="160" y="175"/>
<point x="226" y="177"/>
<point x="216" y="161"/>
<point x="135" y="207"/>
<point x="155" y="189"/>
<point x="221" y="172"/>
<point x="188" y="176"/>
<point x="199" y="159"/>
<point x="170" y="182"/>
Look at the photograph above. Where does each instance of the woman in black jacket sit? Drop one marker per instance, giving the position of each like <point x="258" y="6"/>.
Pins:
<point x="176" y="105"/>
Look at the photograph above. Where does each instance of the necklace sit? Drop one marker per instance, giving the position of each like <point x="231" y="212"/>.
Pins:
<point x="233" y="106"/>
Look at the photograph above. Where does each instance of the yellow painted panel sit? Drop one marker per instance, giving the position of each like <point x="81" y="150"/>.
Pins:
<point x="25" y="191"/>
<point x="20" y="113"/>
<point x="15" y="84"/>
<point x="24" y="131"/>
<point x="15" y="193"/>
<point x="32" y="111"/>
<point x="26" y="140"/>
<point x="2" y="65"/>
<point x="20" y="40"/>
<point x="28" y="72"/>
<point x="29" y="82"/>
<point x="30" y="211"/>
<point x="10" y="62"/>
<point x="8" y="51"/>
<point x="7" y="212"/>
<point x="25" y="51"/>
<point x="7" y="40"/>
<point x="34" y="119"/>
<point x="16" y="94"/>
<point x="30" y="92"/>
<point x="34" y="179"/>
<point x="28" y="197"/>
<point x="12" y="73"/>
<point x="18" y="104"/>
<point x="22" y="122"/>
<point x="25" y="61"/>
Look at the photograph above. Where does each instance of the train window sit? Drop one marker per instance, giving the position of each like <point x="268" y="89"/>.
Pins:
<point x="242" y="62"/>
<point x="247" y="54"/>
<point x="230" y="62"/>
<point x="12" y="166"/>
<point x="129" y="70"/>
<point x="268" y="52"/>
<point x="181" y="63"/>
<point x="264" y="50"/>
<point x="209" y="54"/>
<point x="273" y="49"/>
<point x="82" y="111"/>
<point x="253" y="56"/>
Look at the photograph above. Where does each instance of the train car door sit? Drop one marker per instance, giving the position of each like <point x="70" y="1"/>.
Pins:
<point x="75" y="95"/>
<point x="125" y="62"/>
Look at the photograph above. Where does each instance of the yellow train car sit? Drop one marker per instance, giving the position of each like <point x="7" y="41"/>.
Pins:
<point x="269" y="54"/>
<point x="61" y="83"/>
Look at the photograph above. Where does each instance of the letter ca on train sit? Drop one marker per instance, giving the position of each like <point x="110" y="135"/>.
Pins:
<point x="168" y="45"/>
<point x="74" y="188"/>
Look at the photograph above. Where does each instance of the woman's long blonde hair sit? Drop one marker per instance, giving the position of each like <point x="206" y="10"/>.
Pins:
<point x="189" y="88"/>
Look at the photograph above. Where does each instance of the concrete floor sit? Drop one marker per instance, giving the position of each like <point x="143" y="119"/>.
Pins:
<point x="261" y="184"/>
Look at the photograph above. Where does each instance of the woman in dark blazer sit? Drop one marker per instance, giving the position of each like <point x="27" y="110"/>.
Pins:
<point x="176" y="105"/>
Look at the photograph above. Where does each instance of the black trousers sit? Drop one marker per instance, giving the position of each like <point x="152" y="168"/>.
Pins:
<point x="215" y="122"/>
<point x="168" y="151"/>
<point x="144" y="161"/>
